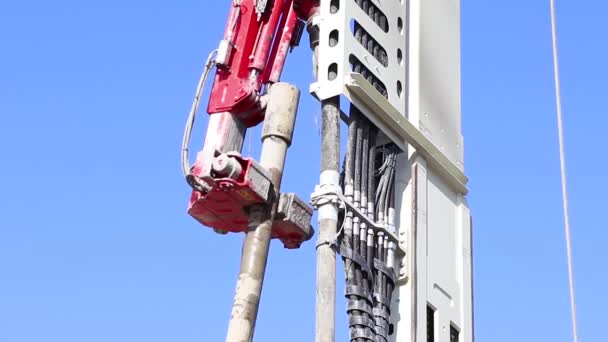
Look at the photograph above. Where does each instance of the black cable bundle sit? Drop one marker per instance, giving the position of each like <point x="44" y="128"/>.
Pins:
<point x="358" y="273"/>
<point x="384" y="208"/>
<point x="369" y="282"/>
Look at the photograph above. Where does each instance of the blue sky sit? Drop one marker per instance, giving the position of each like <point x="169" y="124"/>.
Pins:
<point x="95" y="244"/>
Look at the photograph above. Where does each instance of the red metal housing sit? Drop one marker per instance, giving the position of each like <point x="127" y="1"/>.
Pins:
<point x="257" y="39"/>
<point x="223" y="207"/>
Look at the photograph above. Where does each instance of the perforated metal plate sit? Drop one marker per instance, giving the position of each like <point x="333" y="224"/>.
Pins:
<point x="380" y="47"/>
<point x="409" y="52"/>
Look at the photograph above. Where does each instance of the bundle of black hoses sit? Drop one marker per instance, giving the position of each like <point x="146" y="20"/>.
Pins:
<point x="369" y="282"/>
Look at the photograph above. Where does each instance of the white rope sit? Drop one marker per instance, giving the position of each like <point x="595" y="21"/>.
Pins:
<point x="562" y="160"/>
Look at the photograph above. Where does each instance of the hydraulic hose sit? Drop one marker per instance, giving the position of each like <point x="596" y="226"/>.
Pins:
<point x="370" y="189"/>
<point x="209" y="64"/>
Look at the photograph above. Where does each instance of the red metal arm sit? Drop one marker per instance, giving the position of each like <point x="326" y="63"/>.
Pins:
<point x="253" y="53"/>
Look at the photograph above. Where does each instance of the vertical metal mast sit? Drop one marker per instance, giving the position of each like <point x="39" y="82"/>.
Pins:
<point x="407" y="251"/>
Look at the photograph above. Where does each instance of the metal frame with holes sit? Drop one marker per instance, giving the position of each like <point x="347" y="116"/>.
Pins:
<point x="336" y="57"/>
<point x="337" y="45"/>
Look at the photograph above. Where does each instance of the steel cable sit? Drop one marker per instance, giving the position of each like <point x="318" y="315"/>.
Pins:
<point x="562" y="161"/>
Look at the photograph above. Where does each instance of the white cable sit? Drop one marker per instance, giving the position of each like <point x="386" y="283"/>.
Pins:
<point x="192" y="115"/>
<point x="562" y="160"/>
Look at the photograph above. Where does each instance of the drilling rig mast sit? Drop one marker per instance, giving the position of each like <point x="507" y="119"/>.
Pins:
<point x="394" y="211"/>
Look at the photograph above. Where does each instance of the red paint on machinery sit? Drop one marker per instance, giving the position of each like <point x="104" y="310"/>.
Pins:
<point x="222" y="207"/>
<point x="255" y="49"/>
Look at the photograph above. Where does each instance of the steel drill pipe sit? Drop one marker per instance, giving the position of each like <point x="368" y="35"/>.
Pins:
<point x="328" y="213"/>
<point x="328" y="221"/>
<point x="276" y="137"/>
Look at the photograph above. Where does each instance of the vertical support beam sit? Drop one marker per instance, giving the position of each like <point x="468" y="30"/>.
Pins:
<point x="276" y="138"/>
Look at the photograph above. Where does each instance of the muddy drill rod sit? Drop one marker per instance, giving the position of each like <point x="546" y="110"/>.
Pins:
<point x="328" y="221"/>
<point x="328" y="212"/>
<point x="276" y="138"/>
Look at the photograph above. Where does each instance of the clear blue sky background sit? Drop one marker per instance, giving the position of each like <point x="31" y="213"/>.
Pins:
<point x="95" y="244"/>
